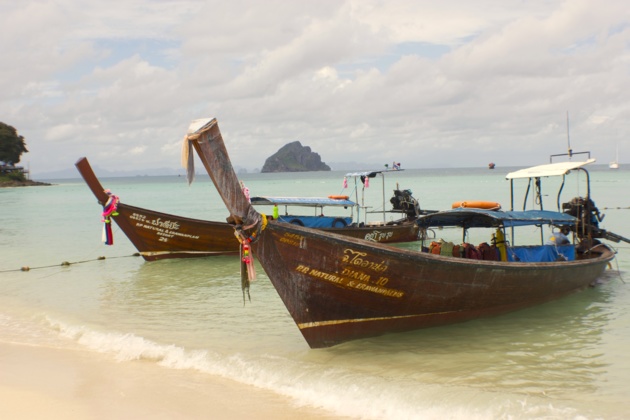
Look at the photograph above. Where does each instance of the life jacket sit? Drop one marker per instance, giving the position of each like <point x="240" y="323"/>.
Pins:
<point x="471" y="252"/>
<point x="447" y="249"/>
<point x="457" y="251"/>
<point x="488" y="252"/>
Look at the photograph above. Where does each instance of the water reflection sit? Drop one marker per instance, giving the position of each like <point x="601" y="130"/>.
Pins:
<point x="549" y="350"/>
<point x="198" y="303"/>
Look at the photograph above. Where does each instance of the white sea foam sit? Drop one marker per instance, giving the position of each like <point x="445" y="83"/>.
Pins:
<point x="342" y="392"/>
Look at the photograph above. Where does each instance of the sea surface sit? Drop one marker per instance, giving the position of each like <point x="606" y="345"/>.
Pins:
<point x="568" y="359"/>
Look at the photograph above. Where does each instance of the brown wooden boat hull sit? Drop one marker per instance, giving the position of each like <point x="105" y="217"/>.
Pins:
<point x="407" y="231"/>
<point x="158" y="235"/>
<point x="338" y="289"/>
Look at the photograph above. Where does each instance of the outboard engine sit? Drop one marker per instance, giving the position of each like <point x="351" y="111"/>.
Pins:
<point x="588" y="216"/>
<point x="404" y="202"/>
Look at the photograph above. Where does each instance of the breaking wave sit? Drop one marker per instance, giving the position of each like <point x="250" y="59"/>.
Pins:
<point x="340" y="391"/>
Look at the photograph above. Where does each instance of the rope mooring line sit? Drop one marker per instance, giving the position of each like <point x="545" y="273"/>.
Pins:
<point x="618" y="270"/>
<point x="67" y="263"/>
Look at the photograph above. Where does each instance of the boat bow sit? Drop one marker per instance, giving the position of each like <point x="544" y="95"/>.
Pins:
<point x="208" y="143"/>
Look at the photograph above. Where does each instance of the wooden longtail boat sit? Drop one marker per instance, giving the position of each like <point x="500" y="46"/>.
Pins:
<point x="158" y="235"/>
<point x="338" y="288"/>
<point x="401" y="230"/>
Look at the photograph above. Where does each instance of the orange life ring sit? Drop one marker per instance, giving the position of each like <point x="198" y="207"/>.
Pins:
<point x="486" y="205"/>
<point x="338" y="197"/>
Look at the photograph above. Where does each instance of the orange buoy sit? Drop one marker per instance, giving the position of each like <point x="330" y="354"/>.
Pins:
<point x="486" y="205"/>
<point x="338" y="197"/>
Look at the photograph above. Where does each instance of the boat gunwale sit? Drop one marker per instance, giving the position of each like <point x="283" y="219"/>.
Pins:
<point x="397" y="253"/>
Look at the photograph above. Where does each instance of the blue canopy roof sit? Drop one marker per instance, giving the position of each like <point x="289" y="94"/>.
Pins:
<point x="302" y="201"/>
<point x="468" y="218"/>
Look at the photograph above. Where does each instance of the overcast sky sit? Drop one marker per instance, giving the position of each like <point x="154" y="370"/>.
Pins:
<point x="426" y="83"/>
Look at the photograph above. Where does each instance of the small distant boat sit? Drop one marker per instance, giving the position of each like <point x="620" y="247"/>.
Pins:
<point x="491" y="165"/>
<point x="615" y="163"/>
<point x="338" y="288"/>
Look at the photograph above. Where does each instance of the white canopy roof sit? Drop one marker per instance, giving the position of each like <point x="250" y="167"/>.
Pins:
<point x="551" y="169"/>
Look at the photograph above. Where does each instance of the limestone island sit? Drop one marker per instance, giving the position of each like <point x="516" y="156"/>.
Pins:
<point x="294" y="157"/>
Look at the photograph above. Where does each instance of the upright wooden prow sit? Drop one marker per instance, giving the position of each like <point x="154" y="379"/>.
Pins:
<point x="91" y="180"/>
<point x="208" y="142"/>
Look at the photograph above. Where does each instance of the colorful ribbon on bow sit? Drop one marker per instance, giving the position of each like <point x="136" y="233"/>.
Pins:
<point x="247" y="259"/>
<point x="109" y="210"/>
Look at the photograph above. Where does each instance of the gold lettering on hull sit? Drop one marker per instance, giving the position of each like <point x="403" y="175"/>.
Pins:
<point x="352" y="280"/>
<point x="292" y="239"/>
<point x="377" y="236"/>
<point x="359" y="259"/>
<point x="164" y="229"/>
<point x="356" y="270"/>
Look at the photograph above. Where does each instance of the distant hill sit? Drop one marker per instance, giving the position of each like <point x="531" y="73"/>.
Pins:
<point x="25" y="183"/>
<point x="294" y="157"/>
<point x="71" y="173"/>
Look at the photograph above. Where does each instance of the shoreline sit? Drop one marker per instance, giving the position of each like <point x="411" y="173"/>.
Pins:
<point x="27" y="183"/>
<point x="78" y="384"/>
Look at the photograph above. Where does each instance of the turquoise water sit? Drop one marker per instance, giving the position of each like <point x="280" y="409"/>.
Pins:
<point x="565" y="359"/>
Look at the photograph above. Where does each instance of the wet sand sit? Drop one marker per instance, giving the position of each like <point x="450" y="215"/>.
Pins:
<point x="44" y="383"/>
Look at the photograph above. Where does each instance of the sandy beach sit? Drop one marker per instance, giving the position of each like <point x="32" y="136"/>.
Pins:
<point x="47" y="383"/>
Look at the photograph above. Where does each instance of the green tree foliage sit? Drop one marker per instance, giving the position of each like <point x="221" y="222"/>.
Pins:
<point x="11" y="144"/>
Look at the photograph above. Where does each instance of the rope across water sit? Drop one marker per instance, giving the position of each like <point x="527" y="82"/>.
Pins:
<point x="67" y="263"/>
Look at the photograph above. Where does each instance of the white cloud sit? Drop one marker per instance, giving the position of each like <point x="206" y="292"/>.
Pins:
<point x="451" y="83"/>
<point x="59" y="133"/>
<point x="138" y="150"/>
